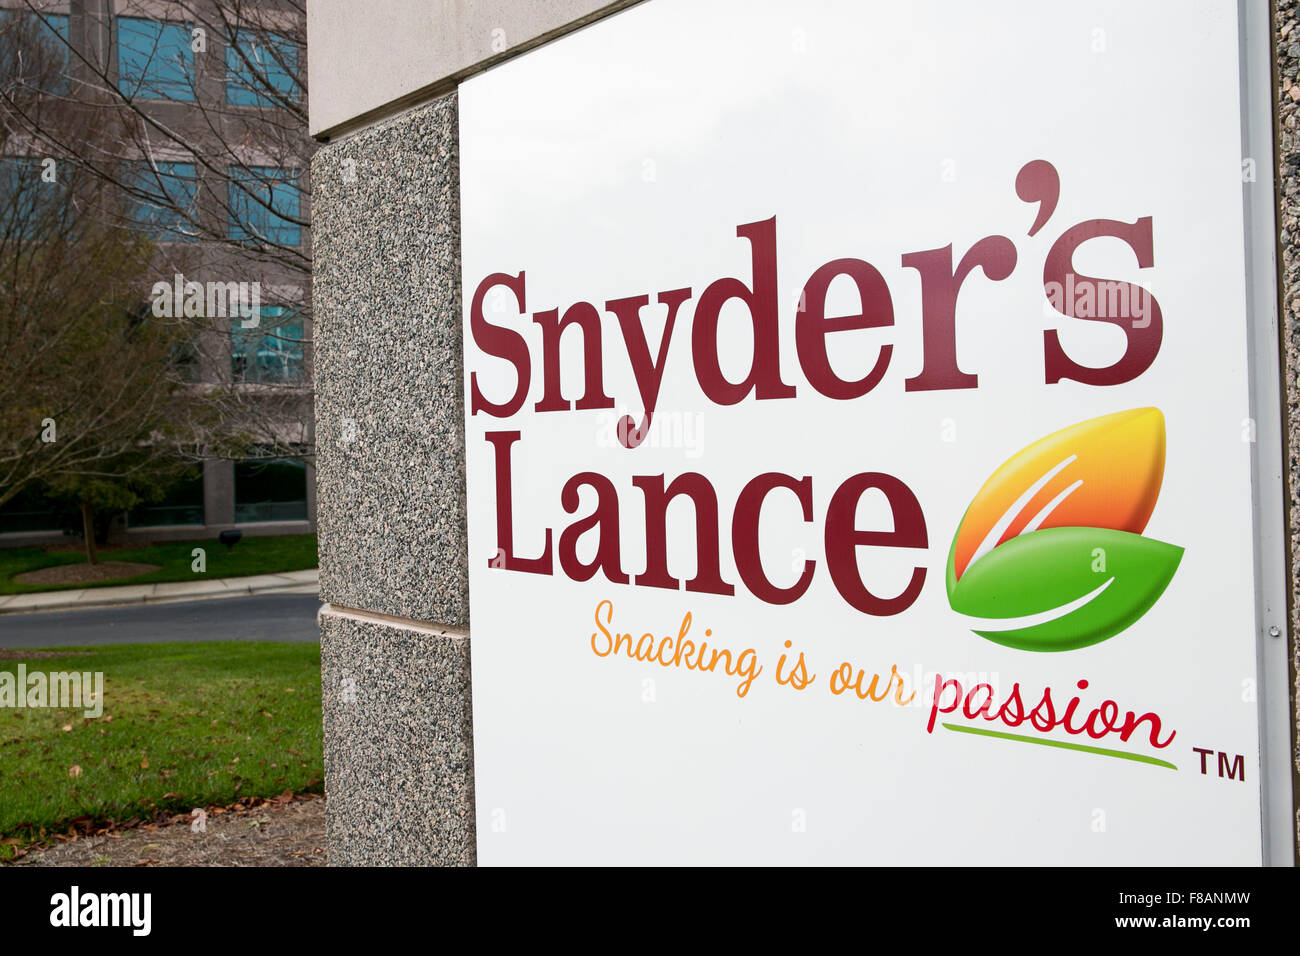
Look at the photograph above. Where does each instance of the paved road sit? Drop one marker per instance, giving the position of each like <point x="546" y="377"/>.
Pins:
<point x="261" y="617"/>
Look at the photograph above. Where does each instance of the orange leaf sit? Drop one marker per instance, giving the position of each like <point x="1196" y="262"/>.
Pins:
<point x="1101" y="473"/>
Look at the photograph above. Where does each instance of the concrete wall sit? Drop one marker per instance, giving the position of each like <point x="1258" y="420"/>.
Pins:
<point x="363" y="67"/>
<point x="395" y="640"/>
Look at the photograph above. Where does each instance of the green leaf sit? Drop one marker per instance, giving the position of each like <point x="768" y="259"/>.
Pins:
<point x="1044" y="570"/>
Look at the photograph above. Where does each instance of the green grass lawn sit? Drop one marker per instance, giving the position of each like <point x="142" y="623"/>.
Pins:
<point x="183" y="725"/>
<point x="293" y="552"/>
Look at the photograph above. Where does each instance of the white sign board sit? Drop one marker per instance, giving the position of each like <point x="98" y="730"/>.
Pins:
<point x="859" y="434"/>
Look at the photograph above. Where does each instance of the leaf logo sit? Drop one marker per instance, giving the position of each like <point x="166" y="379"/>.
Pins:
<point x="1050" y="554"/>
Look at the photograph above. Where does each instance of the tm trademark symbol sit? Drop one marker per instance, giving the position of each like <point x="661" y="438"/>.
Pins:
<point x="1232" y="766"/>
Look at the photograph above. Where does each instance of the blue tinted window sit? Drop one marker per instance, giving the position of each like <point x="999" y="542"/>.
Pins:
<point x="50" y="32"/>
<point x="260" y="69"/>
<point x="165" y="206"/>
<point x="54" y="34"/>
<point x="263" y="201"/>
<point x="154" y="60"/>
<point x="269" y="352"/>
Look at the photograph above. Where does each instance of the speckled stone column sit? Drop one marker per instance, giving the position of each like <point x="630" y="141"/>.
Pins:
<point x="1286" y="21"/>
<point x="399" y="773"/>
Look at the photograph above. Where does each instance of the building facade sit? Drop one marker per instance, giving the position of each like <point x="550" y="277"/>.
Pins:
<point x="206" y="103"/>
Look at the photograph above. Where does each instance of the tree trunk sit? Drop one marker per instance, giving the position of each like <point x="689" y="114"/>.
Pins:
<point x="88" y="531"/>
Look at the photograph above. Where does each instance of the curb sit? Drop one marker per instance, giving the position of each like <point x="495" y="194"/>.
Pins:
<point x="302" y="582"/>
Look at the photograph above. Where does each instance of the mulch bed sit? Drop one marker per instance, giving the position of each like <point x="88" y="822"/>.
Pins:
<point x="288" y="830"/>
<point x="84" y="573"/>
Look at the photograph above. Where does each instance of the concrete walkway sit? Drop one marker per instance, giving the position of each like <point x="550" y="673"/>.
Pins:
<point x="289" y="582"/>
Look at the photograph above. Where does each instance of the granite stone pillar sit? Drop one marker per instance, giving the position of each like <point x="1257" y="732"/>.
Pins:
<point x="391" y="493"/>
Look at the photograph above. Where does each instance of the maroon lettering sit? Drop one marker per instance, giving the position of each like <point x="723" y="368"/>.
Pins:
<point x="744" y="537"/>
<point x="505" y="556"/>
<point x="708" y="574"/>
<point x="1084" y="297"/>
<point x="604" y="519"/>
<point x="940" y="283"/>
<point x="764" y="378"/>
<point x="501" y="343"/>
<point x="584" y="316"/>
<point x="649" y="372"/>
<point x="812" y="325"/>
<point x="843" y="539"/>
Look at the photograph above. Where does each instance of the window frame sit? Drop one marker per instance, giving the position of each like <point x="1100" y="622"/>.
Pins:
<point x="244" y="341"/>
<point x="253" y="461"/>
<point x="245" y="212"/>
<point x="156" y="90"/>
<point x="241" y="89"/>
<point x="153" y="174"/>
